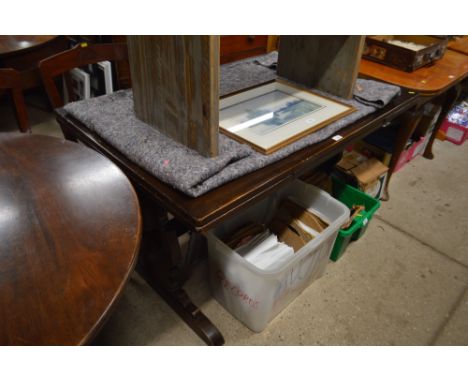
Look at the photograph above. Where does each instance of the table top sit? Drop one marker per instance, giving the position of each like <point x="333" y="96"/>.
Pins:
<point x="447" y="71"/>
<point x="15" y="44"/>
<point x="460" y="45"/>
<point x="70" y="229"/>
<point x="205" y="211"/>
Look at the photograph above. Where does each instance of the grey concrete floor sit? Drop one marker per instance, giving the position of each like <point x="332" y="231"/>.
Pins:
<point x="405" y="282"/>
<point x="41" y="119"/>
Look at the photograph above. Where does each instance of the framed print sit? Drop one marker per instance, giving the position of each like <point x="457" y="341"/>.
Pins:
<point x="275" y="114"/>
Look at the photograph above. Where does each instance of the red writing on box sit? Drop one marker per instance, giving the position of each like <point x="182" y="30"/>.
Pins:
<point x="236" y="291"/>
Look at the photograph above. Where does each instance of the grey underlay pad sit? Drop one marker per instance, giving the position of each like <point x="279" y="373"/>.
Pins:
<point x="113" y="119"/>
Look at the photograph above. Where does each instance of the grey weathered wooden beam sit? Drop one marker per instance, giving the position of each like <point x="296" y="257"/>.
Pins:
<point x="329" y="63"/>
<point x="175" y="87"/>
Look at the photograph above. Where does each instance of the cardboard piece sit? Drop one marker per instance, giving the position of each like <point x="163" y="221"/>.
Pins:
<point x="370" y="173"/>
<point x="289" y="221"/>
<point x="297" y="212"/>
<point x="287" y="224"/>
<point x="351" y="160"/>
<point x="286" y="234"/>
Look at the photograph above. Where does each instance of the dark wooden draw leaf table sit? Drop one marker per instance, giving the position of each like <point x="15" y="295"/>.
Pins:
<point x="161" y="262"/>
<point x="70" y="229"/>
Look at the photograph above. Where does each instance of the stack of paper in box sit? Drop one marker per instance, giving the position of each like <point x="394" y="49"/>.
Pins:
<point x="265" y="251"/>
<point x="270" y="247"/>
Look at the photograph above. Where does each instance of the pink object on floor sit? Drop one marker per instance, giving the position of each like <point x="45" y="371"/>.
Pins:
<point x="454" y="133"/>
<point x="405" y="157"/>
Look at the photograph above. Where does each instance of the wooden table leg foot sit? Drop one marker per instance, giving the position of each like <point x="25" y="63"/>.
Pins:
<point x="385" y="196"/>
<point x="164" y="267"/>
<point x="181" y="303"/>
<point x="160" y="265"/>
<point x="429" y="155"/>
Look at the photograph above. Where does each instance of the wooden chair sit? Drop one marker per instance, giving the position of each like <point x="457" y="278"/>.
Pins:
<point x="10" y="79"/>
<point x="81" y="55"/>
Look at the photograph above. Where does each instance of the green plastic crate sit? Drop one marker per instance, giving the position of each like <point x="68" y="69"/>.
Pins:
<point x="351" y="196"/>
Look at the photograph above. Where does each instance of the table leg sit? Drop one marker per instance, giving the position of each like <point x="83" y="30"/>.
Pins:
<point x="164" y="268"/>
<point x="68" y="133"/>
<point x="448" y="102"/>
<point x="410" y="121"/>
<point x="20" y="110"/>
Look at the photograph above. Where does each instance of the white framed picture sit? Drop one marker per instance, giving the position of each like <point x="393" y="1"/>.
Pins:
<point x="80" y="81"/>
<point x="275" y="114"/>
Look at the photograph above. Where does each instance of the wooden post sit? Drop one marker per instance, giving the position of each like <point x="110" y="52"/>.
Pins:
<point x="175" y="87"/>
<point x="329" y="63"/>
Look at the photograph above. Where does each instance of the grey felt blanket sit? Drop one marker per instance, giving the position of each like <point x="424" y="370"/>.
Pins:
<point x="112" y="118"/>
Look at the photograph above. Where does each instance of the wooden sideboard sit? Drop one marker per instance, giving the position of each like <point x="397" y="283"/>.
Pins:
<point x="233" y="48"/>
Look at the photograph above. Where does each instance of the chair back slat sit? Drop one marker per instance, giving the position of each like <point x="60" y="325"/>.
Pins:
<point x="81" y="55"/>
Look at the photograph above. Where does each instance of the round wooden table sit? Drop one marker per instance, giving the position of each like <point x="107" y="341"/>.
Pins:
<point x="23" y="53"/>
<point x="70" y="229"/>
<point x="10" y="45"/>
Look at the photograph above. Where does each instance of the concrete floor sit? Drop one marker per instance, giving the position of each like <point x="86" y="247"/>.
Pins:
<point x="404" y="283"/>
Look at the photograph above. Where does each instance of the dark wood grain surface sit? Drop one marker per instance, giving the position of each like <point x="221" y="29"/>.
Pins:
<point x="14" y="44"/>
<point x="206" y="211"/>
<point x="70" y="229"/>
<point x="233" y="48"/>
<point x="24" y="52"/>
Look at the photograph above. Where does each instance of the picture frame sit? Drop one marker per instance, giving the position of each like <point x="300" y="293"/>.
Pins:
<point x="80" y="81"/>
<point x="274" y="114"/>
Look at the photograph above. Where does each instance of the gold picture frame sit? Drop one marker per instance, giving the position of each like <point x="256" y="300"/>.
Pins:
<point x="274" y="114"/>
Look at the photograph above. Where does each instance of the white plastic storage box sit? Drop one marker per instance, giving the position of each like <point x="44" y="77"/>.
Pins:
<point x="255" y="296"/>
